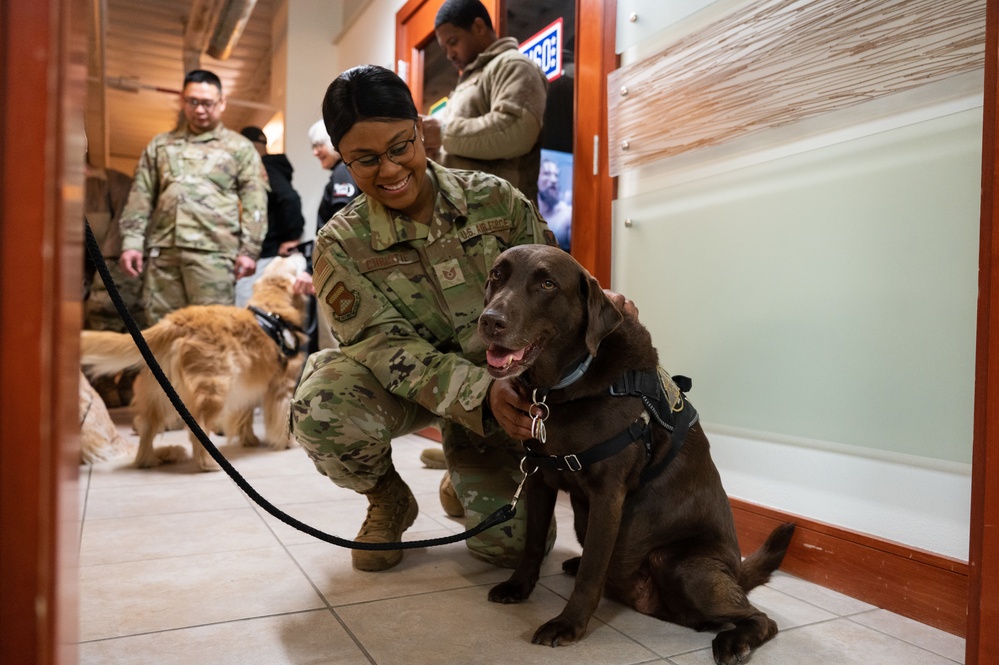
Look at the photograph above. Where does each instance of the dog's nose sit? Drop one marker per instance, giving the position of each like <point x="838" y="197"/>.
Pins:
<point x="491" y="323"/>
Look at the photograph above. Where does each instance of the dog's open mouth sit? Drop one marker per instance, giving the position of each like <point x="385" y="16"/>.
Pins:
<point x="505" y="362"/>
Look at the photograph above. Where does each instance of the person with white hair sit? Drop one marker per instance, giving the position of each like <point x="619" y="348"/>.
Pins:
<point x="341" y="189"/>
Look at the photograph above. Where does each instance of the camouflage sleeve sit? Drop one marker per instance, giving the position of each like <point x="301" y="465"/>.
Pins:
<point x="141" y="201"/>
<point x="373" y="333"/>
<point x="253" y="201"/>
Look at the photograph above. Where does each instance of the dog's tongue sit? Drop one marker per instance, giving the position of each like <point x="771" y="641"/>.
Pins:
<point x="497" y="356"/>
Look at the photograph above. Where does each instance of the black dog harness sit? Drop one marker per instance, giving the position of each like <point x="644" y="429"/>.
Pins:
<point x="665" y="402"/>
<point x="279" y="330"/>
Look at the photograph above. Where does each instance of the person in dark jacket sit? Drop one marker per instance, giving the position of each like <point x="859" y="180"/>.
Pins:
<point x="340" y="190"/>
<point x="285" y="222"/>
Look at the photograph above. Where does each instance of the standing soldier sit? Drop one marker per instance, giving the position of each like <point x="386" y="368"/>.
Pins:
<point x="197" y="213"/>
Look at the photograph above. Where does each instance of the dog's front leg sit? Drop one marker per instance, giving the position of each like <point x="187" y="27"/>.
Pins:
<point x="601" y="536"/>
<point x="539" y="501"/>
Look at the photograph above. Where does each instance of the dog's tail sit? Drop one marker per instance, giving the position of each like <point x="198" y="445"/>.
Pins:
<point x="104" y="352"/>
<point x="756" y="567"/>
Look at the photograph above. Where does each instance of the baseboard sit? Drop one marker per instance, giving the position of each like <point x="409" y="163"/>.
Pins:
<point x="927" y="587"/>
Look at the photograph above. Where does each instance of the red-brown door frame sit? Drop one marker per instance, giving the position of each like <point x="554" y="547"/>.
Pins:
<point x="593" y="188"/>
<point x="982" y="647"/>
<point x="43" y="67"/>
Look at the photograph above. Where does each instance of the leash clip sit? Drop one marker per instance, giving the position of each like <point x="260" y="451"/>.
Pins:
<point x="523" y="481"/>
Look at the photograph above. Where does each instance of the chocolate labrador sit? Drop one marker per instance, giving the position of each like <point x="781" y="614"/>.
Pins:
<point x="619" y="436"/>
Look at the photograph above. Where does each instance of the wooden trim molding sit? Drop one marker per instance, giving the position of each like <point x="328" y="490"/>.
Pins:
<point x="774" y="63"/>
<point x="923" y="586"/>
<point x="983" y="555"/>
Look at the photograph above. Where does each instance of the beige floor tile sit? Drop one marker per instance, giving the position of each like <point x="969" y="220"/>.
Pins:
<point x="460" y="626"/>
<point x="838" y="642"/>
<point x="144" y="596"/>
<point x="306" y="638"/>
<point x="192" y="495"/>
<point x="173" y="535"/>
<point x="827" y="599"/>
<point x="921" y="635"/>
<point x="668" y="639"/>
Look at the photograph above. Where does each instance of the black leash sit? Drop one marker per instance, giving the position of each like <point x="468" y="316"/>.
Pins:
<point x="501" y="515"/>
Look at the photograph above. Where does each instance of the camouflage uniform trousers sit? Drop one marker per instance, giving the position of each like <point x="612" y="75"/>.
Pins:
<point x="346" y="420"/>
<point x="177" y="277"/>
<point x="101" y="314"/>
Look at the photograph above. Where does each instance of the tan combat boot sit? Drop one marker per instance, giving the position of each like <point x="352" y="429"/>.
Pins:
<point x="392" y="509"/>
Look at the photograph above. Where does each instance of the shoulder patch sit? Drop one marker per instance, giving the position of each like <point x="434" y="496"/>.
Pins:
<point x="550" y="238"/>
<point x="343" y="302"/>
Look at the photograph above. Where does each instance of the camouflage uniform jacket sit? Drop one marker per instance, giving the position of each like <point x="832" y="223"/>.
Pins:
<point x="188" y="191"/>
<point x="404" y="299"/>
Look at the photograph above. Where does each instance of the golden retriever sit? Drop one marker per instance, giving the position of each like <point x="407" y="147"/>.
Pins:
<point x="221" y="362"/>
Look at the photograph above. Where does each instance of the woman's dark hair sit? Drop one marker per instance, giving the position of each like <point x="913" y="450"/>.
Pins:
<point x="364" y="93"/>
<point x="462" y="14"/>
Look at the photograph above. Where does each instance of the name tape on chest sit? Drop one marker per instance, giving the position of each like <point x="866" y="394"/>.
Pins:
<point x="483" y="227"/>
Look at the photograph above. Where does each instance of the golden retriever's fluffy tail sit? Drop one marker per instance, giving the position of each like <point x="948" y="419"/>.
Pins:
<point x="756" y="567"/>
<point x="103" y="352"/>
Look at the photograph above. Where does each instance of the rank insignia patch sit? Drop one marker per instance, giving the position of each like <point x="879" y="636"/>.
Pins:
<point x="343" y="302"/>
<point x="449" y="273"/>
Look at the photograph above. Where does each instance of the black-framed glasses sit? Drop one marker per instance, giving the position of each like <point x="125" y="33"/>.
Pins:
<point x="207" y="104"/>
<point x="398" y="153"/>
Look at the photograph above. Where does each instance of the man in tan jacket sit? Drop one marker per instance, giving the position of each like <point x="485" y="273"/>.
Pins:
<point x="493" y="118"/>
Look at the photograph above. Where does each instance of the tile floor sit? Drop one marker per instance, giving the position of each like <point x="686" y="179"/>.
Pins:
<point x="179" y="567"/>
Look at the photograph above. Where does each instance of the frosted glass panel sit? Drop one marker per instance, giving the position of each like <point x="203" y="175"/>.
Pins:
<point x="650" y="17"/>
<point x="829" y="295"/>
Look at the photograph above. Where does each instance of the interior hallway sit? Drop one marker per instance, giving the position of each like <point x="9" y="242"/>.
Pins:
<point x="180" y="567"/>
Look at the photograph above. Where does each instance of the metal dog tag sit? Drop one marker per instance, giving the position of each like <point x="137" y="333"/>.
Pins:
<point x="538" y="429"/>
<point x="539" y="414"/>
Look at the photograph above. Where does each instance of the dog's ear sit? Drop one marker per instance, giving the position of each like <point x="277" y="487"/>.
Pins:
<point x="602" y="317"/>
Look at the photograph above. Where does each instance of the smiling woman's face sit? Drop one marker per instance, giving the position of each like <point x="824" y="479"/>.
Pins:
<point x="403" y="186"/>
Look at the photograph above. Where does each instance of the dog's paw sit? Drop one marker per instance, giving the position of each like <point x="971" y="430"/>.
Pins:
<point x="510" y="592"/>
<point x="571" y="566"/>
<point x="730" y="648"/>
<point x="558" y="633"/>
<point x="250" y="441"/>
<point x="171" y="454"/>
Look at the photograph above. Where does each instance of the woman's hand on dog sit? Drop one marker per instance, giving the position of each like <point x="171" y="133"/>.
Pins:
<point x="303" y="284"/>
<point x="623" y="304"/>
<point x="510" y="409"/>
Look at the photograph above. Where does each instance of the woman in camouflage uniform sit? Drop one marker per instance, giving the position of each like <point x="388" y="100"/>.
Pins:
<point x="400" y="273"/>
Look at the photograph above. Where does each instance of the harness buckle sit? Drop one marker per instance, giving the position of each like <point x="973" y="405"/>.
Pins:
<point x="572" y="463"/>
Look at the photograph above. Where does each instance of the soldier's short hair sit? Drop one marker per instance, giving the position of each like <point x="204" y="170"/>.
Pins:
<point x="462" y="14"/>
<point x="363" y="93"/>
<point x="203" y="76"/>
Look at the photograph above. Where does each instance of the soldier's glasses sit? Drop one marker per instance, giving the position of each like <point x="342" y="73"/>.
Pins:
<point x="207" y="104"/>
<point x="398" y="153"/>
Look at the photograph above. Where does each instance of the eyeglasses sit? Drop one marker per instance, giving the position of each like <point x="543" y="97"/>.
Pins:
<point x="207" y="104"/>
<point x="398" y="153"/>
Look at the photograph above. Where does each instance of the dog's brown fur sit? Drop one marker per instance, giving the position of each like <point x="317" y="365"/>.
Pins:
<point x="665" y="546"/>
<point x="221" y="363"/>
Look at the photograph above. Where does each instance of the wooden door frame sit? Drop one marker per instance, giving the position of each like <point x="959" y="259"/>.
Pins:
<point x="43" y="57"/>
<point x="982" y="647"/>
<point x="593" y="188"/>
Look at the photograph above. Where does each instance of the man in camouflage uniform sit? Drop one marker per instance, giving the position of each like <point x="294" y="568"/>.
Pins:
<point x="197" y="211"/>
<point x="405" y="316"/>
